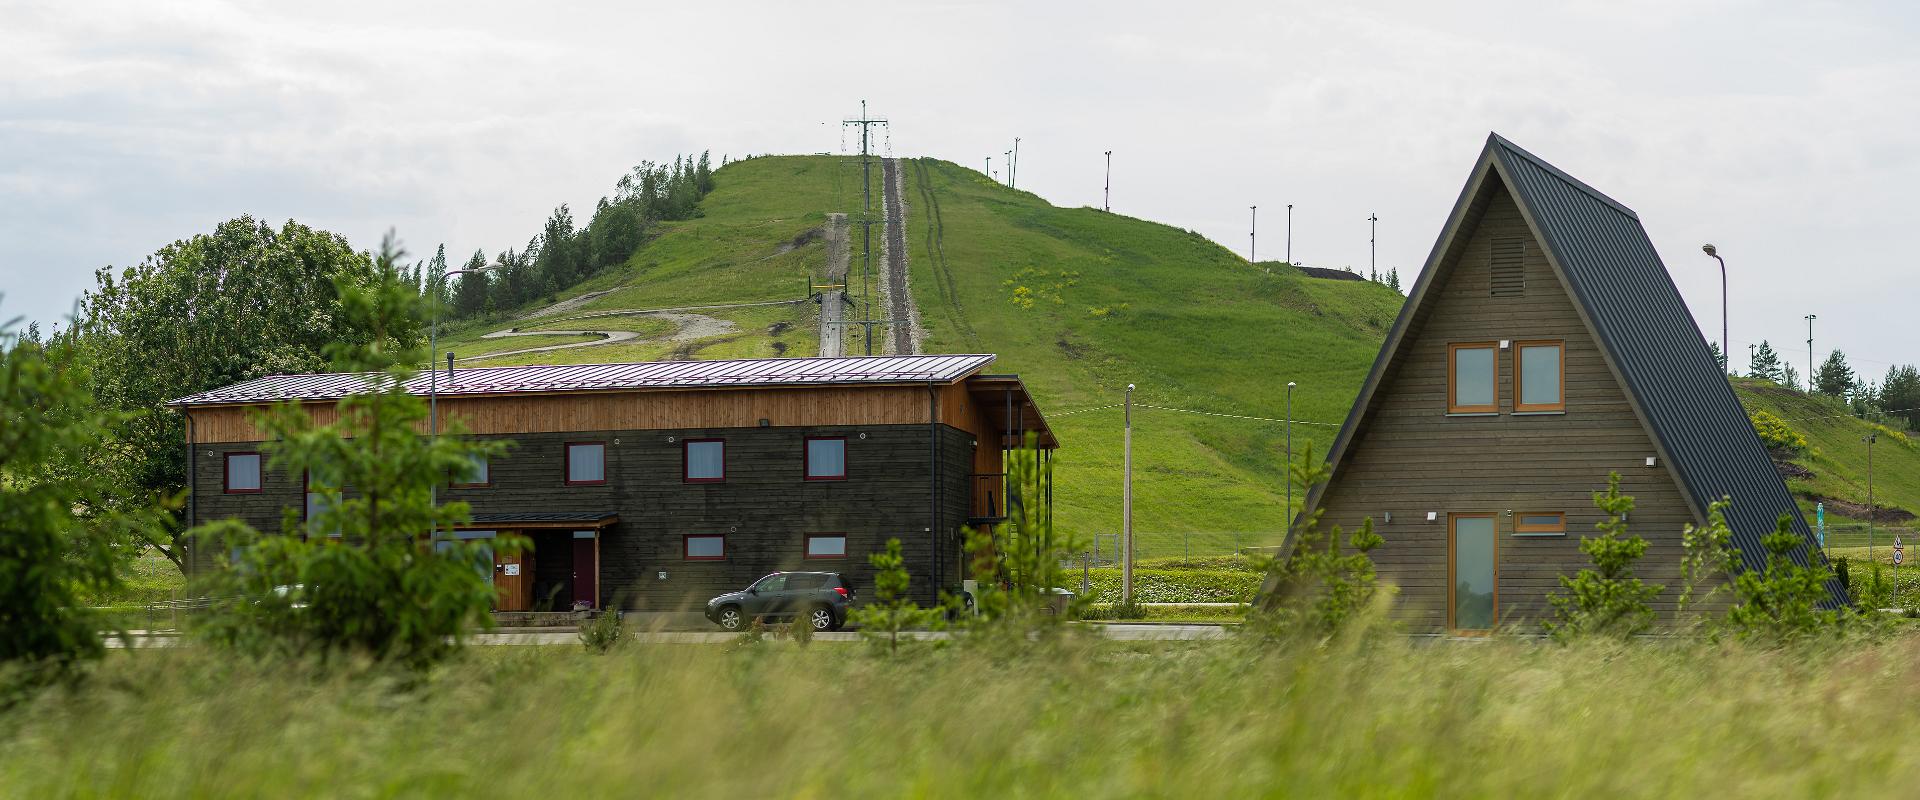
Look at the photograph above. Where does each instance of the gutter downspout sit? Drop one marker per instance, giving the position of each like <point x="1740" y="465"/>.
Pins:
<point x="933" y="481"/>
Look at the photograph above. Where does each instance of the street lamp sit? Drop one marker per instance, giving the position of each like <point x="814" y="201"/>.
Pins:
<point x="1126" y="509"/>
<point x="1288" y="472"/>
<point x="433" y="371"/>
<point x="1870" y="439"/>
<point x="1724" y="355"/>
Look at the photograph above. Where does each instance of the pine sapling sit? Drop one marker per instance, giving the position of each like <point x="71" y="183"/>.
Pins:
<point x="1606" y="599"/>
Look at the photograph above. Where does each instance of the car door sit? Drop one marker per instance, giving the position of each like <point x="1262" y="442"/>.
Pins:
<point x="803" y="592"/>
<point x="766" y="596"/>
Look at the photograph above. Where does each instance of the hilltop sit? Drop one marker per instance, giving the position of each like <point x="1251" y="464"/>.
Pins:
<point x="1833" y="468"/>
<point x="1078" y="301"/>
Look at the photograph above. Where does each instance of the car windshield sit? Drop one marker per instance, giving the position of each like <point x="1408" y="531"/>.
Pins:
<point x="771" y="583"/>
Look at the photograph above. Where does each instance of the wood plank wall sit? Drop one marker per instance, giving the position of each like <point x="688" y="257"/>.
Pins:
<point x="1411" y="457"/>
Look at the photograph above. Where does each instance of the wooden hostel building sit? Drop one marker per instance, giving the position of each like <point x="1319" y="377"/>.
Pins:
<point x="1543" y="347"/>
<point x="654" y="486"/>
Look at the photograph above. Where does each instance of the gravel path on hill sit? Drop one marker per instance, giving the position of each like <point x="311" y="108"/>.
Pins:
<point x="691" y="328"/>
<point x="903" y="337"/>
<point x="832" y="305"/>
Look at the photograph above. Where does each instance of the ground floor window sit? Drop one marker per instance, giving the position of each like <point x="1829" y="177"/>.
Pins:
<point x="827" y="545"/>
<point x="1540" y="523"/>
<point x="1472" y="572"/>
<point x="706" y="547"/>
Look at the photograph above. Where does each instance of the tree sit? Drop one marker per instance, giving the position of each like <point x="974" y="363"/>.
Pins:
<point x="379" y="590"/>
<point x="245" y="301"/>
<point x="1018" y="564"/>
<point x="1606" y="599"/>
<point x="1719" y="356"/>
<point x="1393" y="279"/>
<point x="1789" y="377"/>
<point x="1318" y="586"/>
<point x="1781" y="601"/>
<point x="1709" y="558"/>
<point x="1765" y="363"/>
<point x="891" y="610"/>
<point x="1900" y="394"/>
<point x="59" y="526"/>
<point x="1835" y="378"/>
<point x="470" y="295"/>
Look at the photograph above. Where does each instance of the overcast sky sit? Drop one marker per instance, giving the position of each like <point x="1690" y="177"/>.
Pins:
<point x="1782" y="132"/>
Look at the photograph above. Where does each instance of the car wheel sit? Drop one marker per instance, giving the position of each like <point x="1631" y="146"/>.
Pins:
<point x="730" y="618"/>
<point x="821" y="618"/>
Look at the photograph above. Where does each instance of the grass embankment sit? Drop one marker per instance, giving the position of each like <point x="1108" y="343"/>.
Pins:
<point x="1081" y="719"/>
<point x="1836" y="459"/>
<point x="1114" y="300"/>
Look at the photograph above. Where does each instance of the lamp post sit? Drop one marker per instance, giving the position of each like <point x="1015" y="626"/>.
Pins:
<point x="1289" y="233"/>
<point x="1870" y="439"/>
<point x="1253" y="228"/>
<point x="1810" y="319"/>
<point x="433" y="370"/>
<point x="1288" y="472"/>
<point x="1126" y="509"/>
<point x="1724" y="355"/>
<point x="1106" y="192"/>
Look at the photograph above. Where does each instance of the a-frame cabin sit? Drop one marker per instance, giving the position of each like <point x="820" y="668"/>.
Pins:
<point x="1542" y="347"/>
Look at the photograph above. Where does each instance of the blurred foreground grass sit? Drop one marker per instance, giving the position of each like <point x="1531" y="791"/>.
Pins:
<point x="1386" y="716"/>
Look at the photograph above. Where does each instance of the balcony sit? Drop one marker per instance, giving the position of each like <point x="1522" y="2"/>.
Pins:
<point x="988" y="499"/>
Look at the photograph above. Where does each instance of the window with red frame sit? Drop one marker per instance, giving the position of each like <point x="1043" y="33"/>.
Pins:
<point x="705" y="547"/>
<point x="827" y="458"/>
<point x="243" y="474"/>
<point x="826" y="545"/>
<point x="586" y="463"/>
<point x="704" y="461"/>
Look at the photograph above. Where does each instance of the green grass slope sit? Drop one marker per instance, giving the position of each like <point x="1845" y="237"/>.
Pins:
<point x="1079" y="302"/>
<point x="1836" y="459"/>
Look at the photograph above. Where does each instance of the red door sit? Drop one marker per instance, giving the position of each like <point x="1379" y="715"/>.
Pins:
<point x="586" y="568"/>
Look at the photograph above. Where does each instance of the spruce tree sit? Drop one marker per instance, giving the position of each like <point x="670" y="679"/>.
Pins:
<point x="1765" y="363"/>
<point x="1835" y="378"/>
<point x="1606" y="599"/>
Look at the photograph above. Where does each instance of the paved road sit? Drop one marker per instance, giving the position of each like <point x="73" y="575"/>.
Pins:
<point x="903" y="336"/>
<point x="1120" y="632"/>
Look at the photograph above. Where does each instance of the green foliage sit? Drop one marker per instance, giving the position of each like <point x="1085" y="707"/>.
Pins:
<point x="59" y="526"/>
<point x="1836" y="456"/>
<point x="1019" y="564"/>
<point x="1708" y="561"/>
<point x="1606" y="600"/>
<point x="1765" y="364"/>
<point x="1776" y="434"/>
<point x="891" y="610"/>
<point x="1318" y="586"/>
<point x="1781" y="602"/>
<point x="378" y="591"/>
<point x="1834" y="378"/>
<point x="244" y="301"/>
<point x="605" y="631"/>
<point x="1900" y="394"/>
<point x="1174" y="585"/>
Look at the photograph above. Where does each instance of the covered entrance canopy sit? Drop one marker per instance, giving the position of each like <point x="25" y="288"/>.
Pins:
<point x="562" y="570"/>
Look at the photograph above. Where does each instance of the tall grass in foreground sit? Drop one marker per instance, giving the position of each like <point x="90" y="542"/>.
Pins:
<point x="1079" y="718"/>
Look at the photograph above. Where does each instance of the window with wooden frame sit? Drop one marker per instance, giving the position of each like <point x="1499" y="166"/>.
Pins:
<point x="478" y="474"/>
<point x="826" y="546"/>
<point x="586" y="463"/>
<point x="704" y="461"/>
<point x="826" y="458"/>
<point x="704" y="547"/>
<point x="1540" y="523"/>
<point x="1473" y="573"/>
<point x="242" y="474"/>
<point x="1473" y="378"/>
<point x="1539" y="376"/>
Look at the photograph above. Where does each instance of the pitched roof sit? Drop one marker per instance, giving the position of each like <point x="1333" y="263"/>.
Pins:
<point x="469" y="381"/>
<point x="1648" y="337"/>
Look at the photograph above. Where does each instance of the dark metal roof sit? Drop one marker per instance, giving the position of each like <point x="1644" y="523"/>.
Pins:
<point x="614" y="377"/>
<point x="1644" y="329"/>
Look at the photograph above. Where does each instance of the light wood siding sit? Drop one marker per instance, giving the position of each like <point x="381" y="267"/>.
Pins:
<point x="1410" y="458"/>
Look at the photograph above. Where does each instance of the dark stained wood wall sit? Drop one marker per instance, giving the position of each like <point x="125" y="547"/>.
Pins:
<point x="1410" y="457"/>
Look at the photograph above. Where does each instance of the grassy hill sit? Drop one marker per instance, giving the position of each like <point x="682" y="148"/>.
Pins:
<point x="1835" y="463"/>
<point x="1079" y="302"/>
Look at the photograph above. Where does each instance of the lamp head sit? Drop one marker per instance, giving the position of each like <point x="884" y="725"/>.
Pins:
<point x="1129" y="387"/>
<point x="1291" y="384"/>
<point x="1708" y="249"/>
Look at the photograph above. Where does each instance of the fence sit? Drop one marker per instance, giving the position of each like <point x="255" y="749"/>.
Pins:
<point x="1851" y="536"/>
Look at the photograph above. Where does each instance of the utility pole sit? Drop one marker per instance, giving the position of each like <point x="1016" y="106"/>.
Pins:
<point x="1810" y="319"/>
<point x="1373" y="245"/>
<point x="1106" y="192"/>
<point x="1253" y="227"/>
<point x="1870" y="439"/>
<point x="1289" y="233"/>
<point x="1013" y="170"/>
<point x="866" y="124"/>
<point x="1006" y="157"/>
<point x="1287" y="473"/>
<point x="989" y="170"/>
<point x="1126" y="510"/>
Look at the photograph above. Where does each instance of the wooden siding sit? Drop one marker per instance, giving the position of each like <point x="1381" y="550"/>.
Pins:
<point x="1409" y="457"/>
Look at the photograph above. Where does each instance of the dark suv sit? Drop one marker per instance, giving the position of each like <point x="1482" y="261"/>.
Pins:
<point x="819" y="598"/>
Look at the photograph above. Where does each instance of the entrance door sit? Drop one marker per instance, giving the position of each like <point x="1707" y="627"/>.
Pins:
<point x="586" y="569"/>
<point x="513" y="577"/>
<point x="1473" y="593"/>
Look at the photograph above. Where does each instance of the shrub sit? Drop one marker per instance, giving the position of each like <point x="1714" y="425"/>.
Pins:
<point x="1780" y="602"/>
<point x="1320" y="583"/>
<point x="891" y="610"/>
<point x="604" y="632"/>
<point x="1174" y="585"/>
<point x="1606" y="600"/>
<point x="1776" y="434"/>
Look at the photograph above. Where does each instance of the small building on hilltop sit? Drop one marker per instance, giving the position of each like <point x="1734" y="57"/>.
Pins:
<point x="657" y="485"/>
<point x="1543" y="347"/>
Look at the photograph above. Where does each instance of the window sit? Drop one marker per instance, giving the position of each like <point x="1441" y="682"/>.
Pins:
<point x="827" y="459"/>
<point x="777" y="582"/>
<point x="1472" y="379"/>
<point x="243" y="474"/>
<point x="706" y="547"/>
<point x="586" y="463"/>
<point x="705" y="461"/>
<point x="1473" y="594"/>
<point x="805" y="581"/>
<point x="1538" y="373"/>
<point x="477" y="475"/>
<point x="1540" y="523"/>
<point x="827" y="545"/>
<point x="320" y="500"/>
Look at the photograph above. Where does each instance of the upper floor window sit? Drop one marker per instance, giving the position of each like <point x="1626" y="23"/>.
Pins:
<point x="705" y="461"/>
<point x="243" y="474"/>
<point x="1539" y="372"/>
<point x="477" y="474"/>
<point x="705" y="547"/>
<point x="827" y="459"/>
<point x="321" y="501"/>
<point x="1473" y="378"/>
<point x="586" y="463"/>
<point x="827" y="545"/>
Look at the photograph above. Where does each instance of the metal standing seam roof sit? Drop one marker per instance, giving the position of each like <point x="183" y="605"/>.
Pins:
<point x="469" y="381"/>
<point x="1637" y="315"/>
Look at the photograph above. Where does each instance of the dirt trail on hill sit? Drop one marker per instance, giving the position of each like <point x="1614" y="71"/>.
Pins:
<point x="903" y="333"/>
<point x="832" y="302"/>
<point x="691" y="327"/>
